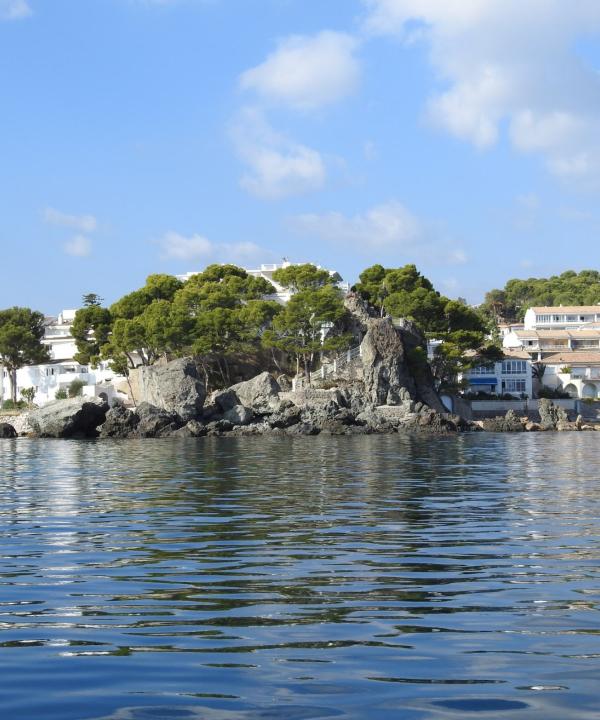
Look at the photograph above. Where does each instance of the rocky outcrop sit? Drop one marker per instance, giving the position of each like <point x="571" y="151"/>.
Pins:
<point x="75" y="417"/>
<point x="175" y="387"/>
<point x="239" y="415"/>
<point x="552" y="417"/>
<point x="120" y="423"/>
<point x="509" y="423"/>
<point x="7" y="431"/>
<point x="394" y="365"/>
<point x="147" y="421"/>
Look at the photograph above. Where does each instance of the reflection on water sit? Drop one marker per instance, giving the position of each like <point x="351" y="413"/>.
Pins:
<point x="300" y="578"/>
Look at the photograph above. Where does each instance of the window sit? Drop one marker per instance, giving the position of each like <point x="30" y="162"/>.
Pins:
<point x="482" y="370"/>
<point x="543" y="318"/>
<point x="514" y="367"/>
<point x="516" y="386"/>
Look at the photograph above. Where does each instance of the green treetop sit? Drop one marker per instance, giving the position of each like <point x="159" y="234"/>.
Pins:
<point x="21" y="332"/>
<point x="302" y="327"/>
<point x="303" y="277"/>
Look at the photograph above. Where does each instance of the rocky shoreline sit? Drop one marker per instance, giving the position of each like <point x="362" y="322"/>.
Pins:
<point x="392" y="396"/>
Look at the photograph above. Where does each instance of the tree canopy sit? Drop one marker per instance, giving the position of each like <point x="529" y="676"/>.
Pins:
<point x="465" y="333"/>
<point x="21" y="332"/>
<point x="569" y="288"/>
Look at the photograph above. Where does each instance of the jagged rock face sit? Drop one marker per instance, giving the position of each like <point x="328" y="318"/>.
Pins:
<point x="261" y="393"/>
<point x="385" y="371"/>
<point x="7" y="431"/>
<point x="552" y="417"/>
<point x="175" y="387"/>
<point x="119" y="423"/>
<point x="387" y="375"/>
<point x="75" y="417"/>
<point x="509" y="423"/>
<point x="239" y="415"/>
<point x="147" y="421"/>
<point x="360" y="311"/>
<point x="155" y="421"/>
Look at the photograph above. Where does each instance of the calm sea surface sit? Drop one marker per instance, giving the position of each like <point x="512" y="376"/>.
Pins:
<point x="353" y="577"/>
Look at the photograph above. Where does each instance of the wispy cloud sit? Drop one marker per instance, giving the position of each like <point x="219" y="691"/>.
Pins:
<point x="307" y="72"/>
<point x="277" y="166"/>
<point x="14" y="9"/>
<point x="390" y="229"/>
<point x="78" y="246"/>
<point x="83" y="223"/>
<point x="175" y="246"/>
<point x="508" y="62"/>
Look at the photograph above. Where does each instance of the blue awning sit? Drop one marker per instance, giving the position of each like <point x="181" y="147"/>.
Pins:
<point x="483" y="381"/>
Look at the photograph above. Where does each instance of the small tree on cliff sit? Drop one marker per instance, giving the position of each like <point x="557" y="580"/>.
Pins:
<point x="301" y="328"/>
<point x="21" y="332"/>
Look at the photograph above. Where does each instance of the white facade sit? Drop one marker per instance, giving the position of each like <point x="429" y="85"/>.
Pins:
<point x="62" y="369"/>
<point x="511" y="376"/>
<point x="281" y="294"/>
<point x="48" y="379"/>
<point x="566" y="340"/>
<point x="559" y="316"/>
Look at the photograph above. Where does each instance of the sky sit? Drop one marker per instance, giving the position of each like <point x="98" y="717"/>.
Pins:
<point x="145" y="136"/>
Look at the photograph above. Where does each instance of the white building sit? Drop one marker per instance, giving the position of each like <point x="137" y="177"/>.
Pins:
<point x="510" y="376"/>
<point x="561" y="317"/>
<point x="62" y="369"/>
<point x="564" y="341"/>
<point x="281" y="294"/>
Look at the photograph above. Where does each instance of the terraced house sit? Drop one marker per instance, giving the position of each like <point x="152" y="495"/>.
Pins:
<point x="565" y="342"/>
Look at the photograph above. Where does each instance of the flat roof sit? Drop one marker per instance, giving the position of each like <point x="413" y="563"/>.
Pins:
<point x="558" y="309"/>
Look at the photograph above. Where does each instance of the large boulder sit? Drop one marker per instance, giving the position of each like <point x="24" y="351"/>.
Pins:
<point x="120" y="423"/>
<point x="155" y="421"/>
<point x="261" y="393"/>
<point x="7" y="431"/>
<point x="394" y="366"/>
<point x="175" y="387"/>
<point x="75" y="417"/>
<point x="239" y="415"/>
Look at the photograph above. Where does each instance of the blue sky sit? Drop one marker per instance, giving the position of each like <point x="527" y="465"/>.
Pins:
<point x="141" y="136"/>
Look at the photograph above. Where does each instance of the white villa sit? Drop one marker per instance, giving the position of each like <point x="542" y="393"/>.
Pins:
<point x="62" y="369"/>
<point x="566" y="340"/>
<point x="510" y="376"/>
<point x="282" y="294"/>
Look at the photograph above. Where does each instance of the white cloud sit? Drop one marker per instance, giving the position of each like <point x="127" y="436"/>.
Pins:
<point x="180" y="247"/>
<point x="388" y="225"/>
<point x="389" y="228"/>
<point x="307" y="72"/>
<point x="277" y="166"/>
<point x="83" y="223"/>
<point x="175" y="246"/>
<point x="14" y="9"/>
<point x="508" y="61"/>
<point x="78" y="246"/>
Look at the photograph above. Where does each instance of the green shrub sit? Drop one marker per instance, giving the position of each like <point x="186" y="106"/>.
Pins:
<point x="61" y="394"/>
<point x="553" y="393"/>
<point x="76" y="388"/>
<point x="12" y="405"/>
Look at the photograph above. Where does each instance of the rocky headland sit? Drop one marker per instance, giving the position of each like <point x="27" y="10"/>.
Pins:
<point x="393" y="392"/>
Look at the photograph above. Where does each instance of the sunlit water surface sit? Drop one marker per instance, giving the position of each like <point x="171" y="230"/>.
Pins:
<point x="353" y="577"/>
